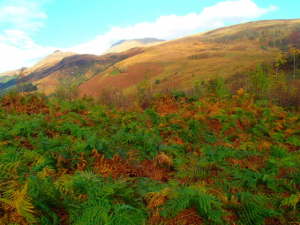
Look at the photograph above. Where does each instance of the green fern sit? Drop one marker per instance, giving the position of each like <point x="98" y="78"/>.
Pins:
<point x="292" y="201"/>
<point x="21" y="202"/>
<point x="254" y="210"/>
<point x="190" y="197"/>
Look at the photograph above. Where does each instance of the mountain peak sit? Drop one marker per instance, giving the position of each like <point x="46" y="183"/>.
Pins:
<point x="123" y="45"/>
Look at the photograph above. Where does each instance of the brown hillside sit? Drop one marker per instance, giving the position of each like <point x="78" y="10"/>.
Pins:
<point x="222" y="52"/>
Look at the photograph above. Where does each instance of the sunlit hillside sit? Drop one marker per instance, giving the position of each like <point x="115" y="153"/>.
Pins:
<point x="177" y="64"/>
<point x="221" y="53"/>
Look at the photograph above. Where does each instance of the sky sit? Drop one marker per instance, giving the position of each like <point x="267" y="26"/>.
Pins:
<point x="33" y="29"/>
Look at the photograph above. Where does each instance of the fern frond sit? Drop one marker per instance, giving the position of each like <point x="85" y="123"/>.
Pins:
<point x="21" y="202"/>
<point x="292" y="201"/>
<point x="126" y="214"/>
<point x="192" y="197"/>
<point x="155" y="199"/>
<point x="254" y="209"/>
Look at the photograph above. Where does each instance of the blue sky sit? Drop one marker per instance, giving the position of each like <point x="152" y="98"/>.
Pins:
<point x="31" y="29"/>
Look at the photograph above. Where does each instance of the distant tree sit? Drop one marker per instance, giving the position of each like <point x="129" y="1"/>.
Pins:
<point x="280" y="60"/>
<point x="199" y="89"/>
<point x="145" y="93"/>
<point x="20" y="83"/>
<point x="219" y="88"/>
<point x="294" y="54"/>
<point x="67" y="90"/>
<point x="113" y="97"/>
<point x="259" y="82"/>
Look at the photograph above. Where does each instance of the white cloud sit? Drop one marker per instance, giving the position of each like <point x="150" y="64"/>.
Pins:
<point x="17" y="50"/>
<point x="173" y="26"/>
<point x="22" y="14"/>
<point x="19" y="19"/>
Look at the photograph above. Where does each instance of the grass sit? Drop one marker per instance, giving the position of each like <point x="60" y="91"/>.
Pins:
<point x="213" y="160"/>
<point x="115" y="72"/>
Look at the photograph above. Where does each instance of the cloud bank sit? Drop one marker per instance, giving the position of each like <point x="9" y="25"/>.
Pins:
<point x="172" y="26"/>
<point x="21" y="18"/>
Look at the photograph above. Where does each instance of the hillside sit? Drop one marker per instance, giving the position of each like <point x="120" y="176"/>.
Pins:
<point x="49" y="61"/>
<point x="47" y="74"/>
<point x="11" y="73"/>
<point x="219" y="53"/>
<point x="225" y="52"/>
<point x="43" y="64"/>
<point x="11" y="78"/>
<point x="76" y="69"/>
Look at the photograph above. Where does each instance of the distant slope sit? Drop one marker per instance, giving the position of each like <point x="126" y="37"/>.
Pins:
<point x="11" y="78"/>
<point x="49" y="61"/>
<point x="77" y="69"/>
<point x="46" y="62"/>
<point x="180" y="63"/>
<point x="8" y="76"/>
<point x="11" y="73"/>
<point x="46" y="74"/>
<point x="125" y="45"/>
<point x="174" y="64"/>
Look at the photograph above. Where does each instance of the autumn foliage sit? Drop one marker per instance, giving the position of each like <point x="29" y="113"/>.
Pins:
<point x="181" y="161"/>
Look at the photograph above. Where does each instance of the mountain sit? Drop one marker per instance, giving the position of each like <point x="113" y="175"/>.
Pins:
<point x="49" y="61"/>
<point x="224" y="52"/>
<point x="46" y="62"/>
<point x="180" y="63"/>
<point x="11" y="78"/>
<point x="124" y="45"/>
<point x="77" y="69"/>
<point x="48" y="73"/>
<point x="9" y="75"/>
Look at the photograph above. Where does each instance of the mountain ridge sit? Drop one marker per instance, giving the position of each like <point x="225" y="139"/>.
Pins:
<point x="178" y="63"/>
<point x="124" y="45"/>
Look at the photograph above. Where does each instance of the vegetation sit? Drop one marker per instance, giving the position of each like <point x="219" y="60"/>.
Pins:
<point x="145" y="152"/>
<point x="215" y="159"/>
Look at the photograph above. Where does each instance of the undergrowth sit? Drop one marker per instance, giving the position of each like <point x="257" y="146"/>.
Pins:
<point x="212" y="160"/>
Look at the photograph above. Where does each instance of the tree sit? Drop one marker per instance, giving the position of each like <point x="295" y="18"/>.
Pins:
<point x="259" y="82"/>
<point x="280" y="60"/>
<point x="294" y="52"/>
<point x="20" y="83"/>
<point x="67" y="90"/>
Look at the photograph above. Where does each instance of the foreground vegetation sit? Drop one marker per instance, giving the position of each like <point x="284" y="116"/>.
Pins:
<point x="180" y="161"/>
